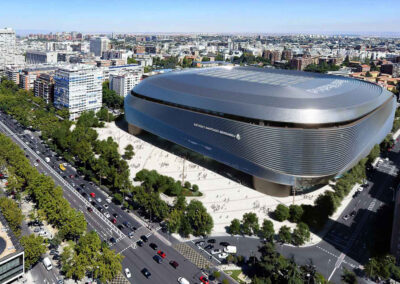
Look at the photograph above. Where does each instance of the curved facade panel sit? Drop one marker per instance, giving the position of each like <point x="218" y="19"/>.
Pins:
<point x="284" y="155"/>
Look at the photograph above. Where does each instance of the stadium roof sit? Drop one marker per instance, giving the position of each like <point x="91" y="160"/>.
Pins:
<point x="267" y="94"/>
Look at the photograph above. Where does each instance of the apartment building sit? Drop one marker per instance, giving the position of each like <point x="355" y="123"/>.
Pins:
<point x="39" y="57"/>
<point x="99" y="45"/>
<point x="44" y="87"/>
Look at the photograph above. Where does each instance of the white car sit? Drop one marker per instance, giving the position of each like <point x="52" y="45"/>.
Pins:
<point x="105" y="205"/>
<point x="108" y="200"/>
<point x="35" y="164"/>
<point x="215" y="251"/>
<point x="360" y="189"/>
<point x="128" y="273"/>
<point x="223" y="255"/>
<point x="107" y="214"/>
<point x="98" y="199"/>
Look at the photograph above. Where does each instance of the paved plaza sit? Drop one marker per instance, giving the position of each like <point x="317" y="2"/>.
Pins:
<point x="224" y="198"/>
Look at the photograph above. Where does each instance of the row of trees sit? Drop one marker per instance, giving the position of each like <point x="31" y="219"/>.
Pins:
<point x="249" y="225"/>
<point x="89" y="254"/>
<point x="321" y="68"/>
<point x="12" y="213"/>
<point x="50" y="204"/>
<point x="110" y="98"/>
<point x="298" y="236"/>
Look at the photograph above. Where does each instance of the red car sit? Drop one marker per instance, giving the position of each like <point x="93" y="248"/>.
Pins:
<point x="71" y="176"/>
<point x="174" y="264"/>
<point x="114" y="221"/>
<point x="90" y="209"/>
<point x="204" y="280"/>
<point x="161" y="253"/>
<point x="92" y="194"/>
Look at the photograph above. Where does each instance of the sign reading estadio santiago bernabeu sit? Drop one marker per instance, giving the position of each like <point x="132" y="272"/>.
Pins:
<point x="237" y="136"/>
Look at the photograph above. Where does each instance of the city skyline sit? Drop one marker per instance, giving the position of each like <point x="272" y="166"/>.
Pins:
<point x="338" y="17"/>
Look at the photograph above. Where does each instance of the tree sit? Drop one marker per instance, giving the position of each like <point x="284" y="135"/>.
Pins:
<point x="174" y="221"/>
<point x="250" y="224"/>
<point x="387" y="142"/>
<point x="295" y="213"/>
<point x="187" y="185"/>
<point x="132" y="60"/>
<point x="349" y="277"/>
<point x="301" y="234"/>
<point x="129" y="152"/>
<point x="34" y="247"/>
<point x="12" y="213"/>
<point x="234" y="227"/>
<point x="205" y="59"/>
<point x="195" y="188"/>
<point x="375" y="152"/>
<point x="281" y="212"/>
<point x="368" y="74"/>
<point x="285" y="235"/>
<point x="180" y="203"/>
<point x="200" y="221"/>
<point x="267" y="230"/>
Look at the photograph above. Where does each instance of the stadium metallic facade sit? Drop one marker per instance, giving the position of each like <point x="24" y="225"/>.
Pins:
<point x="286" y="127"/>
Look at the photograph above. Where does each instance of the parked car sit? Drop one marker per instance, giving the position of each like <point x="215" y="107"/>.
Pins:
<point x="144" y="238"/>
<point x="161" y="253"/>
<point x="346" y="217"/>
<point x="353" y="213"/>
<point x="200" y="243"/>
<point x="105" y="205"/>
<point x="131" y="234"/>
<point x="225" y="244"/>
<point x="139" y="243"/>
<point x="204" y="280"/>
<point x="157" y="259"/>
<point x="114" y="221"/>
<point x="208" y="247"/>
<point x="113" y="240"/>
<point x="98" y="199"/>
<point x="216" y="251"/>
<point x="174" y="264"/>
<point x="90" y="209"/>
<point x="223" y="255"/>
<point x="92" y="194"/>
<point x="153" y="246"/>
<point x="107" y="214"/>
<point x="146" y="272"/>
<point x="128" y="273"/>
<point x="211" y="241"/>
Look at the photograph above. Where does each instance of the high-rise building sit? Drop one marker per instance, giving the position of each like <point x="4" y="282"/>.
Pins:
<point x="28" y="76"/>
<point x="44" y="87"/>
<point x="98" y="45"/>
<point x="78" y="88"/>
<point x="38" y="57"/>
<point x="7" y="47"/>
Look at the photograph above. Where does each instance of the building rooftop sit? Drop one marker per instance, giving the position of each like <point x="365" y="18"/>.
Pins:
<point x="267" y="94"/>
<point x="8" y="242"/>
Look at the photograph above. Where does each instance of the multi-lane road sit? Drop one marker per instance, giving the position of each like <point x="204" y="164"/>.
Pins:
<point x="135" y="258"/>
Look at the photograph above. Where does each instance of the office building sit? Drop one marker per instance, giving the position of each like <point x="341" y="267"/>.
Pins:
<point x="98" y="45"/>
<point x="40" y="57"/>
<point x="44" y="87"/>
<point x="11" y="254"/>
<point x="78" y="88"/>
<point x="282" y="127"/>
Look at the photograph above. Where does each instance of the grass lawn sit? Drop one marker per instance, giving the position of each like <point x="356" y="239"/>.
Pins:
<point x="234" y="274"/>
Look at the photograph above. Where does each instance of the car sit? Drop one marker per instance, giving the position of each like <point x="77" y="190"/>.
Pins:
<point x="107" y="214"/>
<point x="37" y="160"/>
<point x="108" y="200"/>
<point x="36" y="230"/>
<point x="204" y="280"/>
<point x="353" y="213"/>
<point x="208" y="247"/>
<point x="89" y="199"/>
<point x="146" y="272"/>
<point x="93" y="203"/>
<point x="225" y="244"/>
<point x="200" y="243"/>
<point x="360" y="189"/>
<point x="114" y="221"/>
<point x="83" y="185"/>
<point x="71" y="176"/>
<point x="53" y="252"/>
<point x="215" y="251"/>
<point x="100" y="208"/>
<point x="90" y="209"/>
<point x="120" y="227"/>
<point x="211" y="241"/>
<point x="131" y="234"/>
<point x="144" y="238"/>
<point x="105" y="205"/>
<point x="115" y="215"/>
<point x="98" y="199"/>
<point x="174" y="264"/>
<point x="139" y="243"/>
<point x="357" y="193"/>
<point x="153" y="246"/>
<point x="223" y="255"/>
<point x="346" y="217"/>
<point x="84" y="194"/>
<point x="157" y="259"/>
<point x="92" y="194"/>
<point x="126" y="224"/>
<point x="128" y="273"/>
<point x="113" y="240"/>
<point x="161" y="253"/>
<point x="35" y="164"/>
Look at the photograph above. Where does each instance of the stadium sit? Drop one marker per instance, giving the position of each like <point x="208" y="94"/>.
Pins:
<point x="284" y="128"/>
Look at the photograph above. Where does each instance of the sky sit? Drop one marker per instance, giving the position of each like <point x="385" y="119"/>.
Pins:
<point x="208" y="16"/>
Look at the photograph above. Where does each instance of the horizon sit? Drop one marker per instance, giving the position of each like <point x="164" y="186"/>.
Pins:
<point x="223" y="17"/>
